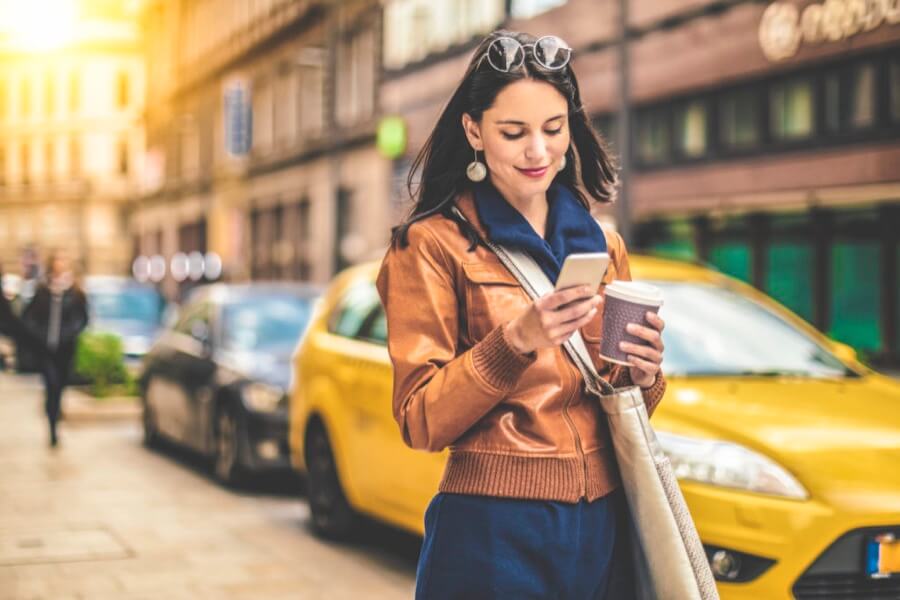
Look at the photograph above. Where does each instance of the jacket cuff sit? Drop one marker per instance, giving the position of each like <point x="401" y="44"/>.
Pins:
<point x="653" y="395"/>
<point x="497" y="362"/>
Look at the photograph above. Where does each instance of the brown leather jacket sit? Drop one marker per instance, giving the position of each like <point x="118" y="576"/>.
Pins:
<point x="517" y="426"/>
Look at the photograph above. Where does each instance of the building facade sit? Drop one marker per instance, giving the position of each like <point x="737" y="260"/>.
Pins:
<point x="261" y="127"/>
<point x="763" y="138"/>
<point x="71" y="139"/>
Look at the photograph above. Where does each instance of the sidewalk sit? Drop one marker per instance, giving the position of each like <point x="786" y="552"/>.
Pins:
<point x="103" y="518"/>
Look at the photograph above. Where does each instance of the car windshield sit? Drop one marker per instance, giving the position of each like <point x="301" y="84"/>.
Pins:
<point x="715" y="330"/>
<point x="127" y="304"/>
<point x="272" y="323"/>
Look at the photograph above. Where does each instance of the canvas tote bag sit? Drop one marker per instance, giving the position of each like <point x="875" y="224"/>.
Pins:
<point x="670" y="563"/>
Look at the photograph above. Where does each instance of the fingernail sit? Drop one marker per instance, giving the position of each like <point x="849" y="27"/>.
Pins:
<point x="621" y="345"/>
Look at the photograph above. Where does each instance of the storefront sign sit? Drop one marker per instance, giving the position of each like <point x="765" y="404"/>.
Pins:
<point x="785" y="26"/>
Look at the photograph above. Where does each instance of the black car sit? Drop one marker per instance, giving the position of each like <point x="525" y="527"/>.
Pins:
<point x="217" y="380"/>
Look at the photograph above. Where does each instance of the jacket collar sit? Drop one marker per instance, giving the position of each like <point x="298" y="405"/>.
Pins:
<point x="570" y="226"/>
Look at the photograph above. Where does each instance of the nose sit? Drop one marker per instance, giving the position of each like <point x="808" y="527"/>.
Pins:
<point x="536" y="151"/>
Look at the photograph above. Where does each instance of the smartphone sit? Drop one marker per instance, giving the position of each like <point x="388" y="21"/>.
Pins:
<point x="583" y="269"/>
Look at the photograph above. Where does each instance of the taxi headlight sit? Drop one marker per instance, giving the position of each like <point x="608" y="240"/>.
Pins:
<point x="263" y="397"/>
<point x="729" y="465"/>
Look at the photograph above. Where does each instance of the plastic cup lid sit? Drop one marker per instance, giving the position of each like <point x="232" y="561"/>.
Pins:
<point x="635" y="291"/>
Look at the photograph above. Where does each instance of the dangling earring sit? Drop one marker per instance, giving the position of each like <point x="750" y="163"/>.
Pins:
<point x="562" y="163"/>
<point x="476" y="171"/>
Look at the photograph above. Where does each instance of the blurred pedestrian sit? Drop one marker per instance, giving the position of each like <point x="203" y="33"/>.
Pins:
<point x="56" y="315"/>
<point x="530" y="505"/>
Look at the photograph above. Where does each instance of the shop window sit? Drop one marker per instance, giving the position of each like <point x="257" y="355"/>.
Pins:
<point x="653" y="143"/>
<point x="675" y="240"/>
<point x="791" y="109"/>
<point x="856" y="294"/>
<point x="739" y="119"/>
<point x="894" y="84"/>
<point x="789" y="271"/>
<point x="732" y="258"/>
<point x="831" y="103"/>
<point x="862" y="96"/>
<point x="690" y="129"/>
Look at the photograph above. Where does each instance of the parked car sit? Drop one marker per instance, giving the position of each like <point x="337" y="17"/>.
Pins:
<point x="216" y="381"/>
<point x="127" y="308"/>
<point x="786" y="447"/>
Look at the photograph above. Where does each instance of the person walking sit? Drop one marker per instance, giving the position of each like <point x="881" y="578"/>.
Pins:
<point x="56" y="315"/>
<point x="530" y="503"/>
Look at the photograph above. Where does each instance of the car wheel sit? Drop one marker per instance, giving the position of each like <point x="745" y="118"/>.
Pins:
<point x="151" y="431"/>
<point x="226" y="458"/>
<point x="332" y="515"/>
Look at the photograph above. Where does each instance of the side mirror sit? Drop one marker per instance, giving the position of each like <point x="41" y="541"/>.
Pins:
<point x="844" y="351"/>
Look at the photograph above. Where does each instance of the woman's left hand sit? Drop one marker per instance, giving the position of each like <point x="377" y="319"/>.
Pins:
<point x="645" y="359"/>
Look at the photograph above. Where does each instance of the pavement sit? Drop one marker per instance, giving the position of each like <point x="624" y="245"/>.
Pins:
<point x="101" y="517"/>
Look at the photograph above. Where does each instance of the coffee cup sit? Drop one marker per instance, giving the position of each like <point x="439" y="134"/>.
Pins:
<point x="626" y="302"/>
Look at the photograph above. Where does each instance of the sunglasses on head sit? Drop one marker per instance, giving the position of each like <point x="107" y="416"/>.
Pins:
<point x="505" y="53"/>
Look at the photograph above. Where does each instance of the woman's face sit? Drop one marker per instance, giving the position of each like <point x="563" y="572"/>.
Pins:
<point x="60" y="264"/>
<point x="524" y="135"/>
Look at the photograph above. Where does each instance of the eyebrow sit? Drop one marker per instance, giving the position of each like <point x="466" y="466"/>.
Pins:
<point x="513" y="122"/>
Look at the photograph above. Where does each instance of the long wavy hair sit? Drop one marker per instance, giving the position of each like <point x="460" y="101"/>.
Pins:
<point x="443" y="159"/>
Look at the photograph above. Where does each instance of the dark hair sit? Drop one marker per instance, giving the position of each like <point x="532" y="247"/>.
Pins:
<point x="445" y="155"/>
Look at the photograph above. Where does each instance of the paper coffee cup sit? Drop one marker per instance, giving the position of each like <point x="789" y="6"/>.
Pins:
<point x="626" y="302"/>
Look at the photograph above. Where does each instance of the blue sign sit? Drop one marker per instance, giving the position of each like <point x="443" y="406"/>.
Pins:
<point x="238" y="119"/>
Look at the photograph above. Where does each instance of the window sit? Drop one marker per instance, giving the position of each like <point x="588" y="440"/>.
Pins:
<point x="894" y="85"/>
<point x="49" y="160"/>
<point x="122" y="158"/>
<point x="302" y="232"/>
<point x="74" y="92"/>
<point x="343" y="222"/>
<point x="739" y="119"/>
<point x="270" y="322"/>
<point x="262" y="117"/>
<point x="50" y="95"/>
<point x="524" y="9"/>
<point x="791" y="109"/>
<point x="311" y="104"/>
<point x="690" y="129"/>
<point x="74" y="157"/>
<point x="25" y="163"/>
<point x="653" y="136"/>
<point x="122" y="90"/>
<point x="413" y="29"/>
<point x="355" y="93"/>
<point x="789" y="270"/>
<point x="862" y="96"/>
<point x="25" y="98"/>
<point x="376" y="331"/>
<point x="856" y="294"/>
<point x="732" y="258"/>
<point x="832" y="103"/>
<point x="354" y="310"/>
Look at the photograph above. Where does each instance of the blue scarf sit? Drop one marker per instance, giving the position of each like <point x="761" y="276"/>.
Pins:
<point x="570" y="227"/>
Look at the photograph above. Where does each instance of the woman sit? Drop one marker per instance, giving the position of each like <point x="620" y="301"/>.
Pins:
<point x="528" y="505"/>
<point x="56" y="315"/>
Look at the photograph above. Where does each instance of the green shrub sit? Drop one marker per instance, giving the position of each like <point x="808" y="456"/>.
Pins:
<point x="100" y="360"/>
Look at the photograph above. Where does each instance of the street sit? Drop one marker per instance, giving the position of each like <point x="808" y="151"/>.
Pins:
<point x="102" y="517"/>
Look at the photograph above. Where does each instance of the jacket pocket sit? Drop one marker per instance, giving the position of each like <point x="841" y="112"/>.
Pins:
<point x="493" y="297"/>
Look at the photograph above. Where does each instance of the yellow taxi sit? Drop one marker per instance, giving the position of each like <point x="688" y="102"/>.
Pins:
<point x="786" y="447"/>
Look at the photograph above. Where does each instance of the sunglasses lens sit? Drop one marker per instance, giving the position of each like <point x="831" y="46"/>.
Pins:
<point x="552" y="52"/>
<point x="505" y="54"/>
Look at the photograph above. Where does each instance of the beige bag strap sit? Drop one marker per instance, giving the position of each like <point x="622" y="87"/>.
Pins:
<point x="536" y="283"/>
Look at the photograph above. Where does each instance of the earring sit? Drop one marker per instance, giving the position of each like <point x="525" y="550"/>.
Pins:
<point x="562" y="163"/>
<point x="476" y="171"/>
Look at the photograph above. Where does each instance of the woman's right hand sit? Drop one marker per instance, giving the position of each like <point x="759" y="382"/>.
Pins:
<point x="552" y="318"/>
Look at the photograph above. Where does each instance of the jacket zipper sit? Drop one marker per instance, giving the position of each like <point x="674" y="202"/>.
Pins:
<point x="577" y="438"/>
